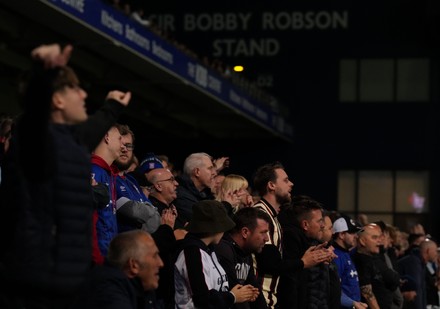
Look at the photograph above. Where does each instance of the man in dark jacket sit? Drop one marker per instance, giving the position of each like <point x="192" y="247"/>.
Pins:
<point x="235" y="250"/>
<point x="306" y="287"/>
<point x="128" y="278"/>
<point x="46" y="238"/>
<point x="194" y="185"/>
<point x="414" y="265"/>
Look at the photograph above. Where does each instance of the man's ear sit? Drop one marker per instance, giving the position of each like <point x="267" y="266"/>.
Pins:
<point x="271" y="186"/>
<point x="158" y="187"/>
<point x="57" y="101"/>
<point x="196" y="171"/>
<point x="133" y="266"/>
<point x="245" y="232"/>
<point x="304" y="224"/>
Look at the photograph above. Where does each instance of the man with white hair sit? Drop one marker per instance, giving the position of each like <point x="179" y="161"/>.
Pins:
<point x="194" y="185"/>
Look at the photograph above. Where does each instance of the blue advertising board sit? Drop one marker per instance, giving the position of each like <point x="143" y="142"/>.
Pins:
<point x="128" y="33"/>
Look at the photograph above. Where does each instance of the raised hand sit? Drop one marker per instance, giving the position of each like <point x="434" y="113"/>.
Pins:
<point x="121" y="97"/>
<point x="52" y="55"/>
<point x="221" y="163"/>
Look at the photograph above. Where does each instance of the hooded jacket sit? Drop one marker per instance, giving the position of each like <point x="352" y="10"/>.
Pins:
<point x="106" y="224"/>
<point x="199" y="279"/>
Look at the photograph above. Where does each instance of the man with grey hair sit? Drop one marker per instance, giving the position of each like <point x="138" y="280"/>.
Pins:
<point x="194" y="185"/>
<point x="129" y="276"/>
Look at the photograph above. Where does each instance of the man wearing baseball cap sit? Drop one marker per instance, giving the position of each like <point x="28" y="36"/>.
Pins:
<point x="344" y="239"/>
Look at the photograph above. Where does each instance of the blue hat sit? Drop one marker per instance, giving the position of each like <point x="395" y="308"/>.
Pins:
<point x="150" y="162"/>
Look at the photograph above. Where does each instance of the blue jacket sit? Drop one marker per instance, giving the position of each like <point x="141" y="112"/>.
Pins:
<point x="127" y="186"/>
<point x="106" y="226"/>
<point x="349" y="277"/>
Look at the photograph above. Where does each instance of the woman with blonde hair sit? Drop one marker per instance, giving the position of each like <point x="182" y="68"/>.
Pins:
<point x="234" y="193"/>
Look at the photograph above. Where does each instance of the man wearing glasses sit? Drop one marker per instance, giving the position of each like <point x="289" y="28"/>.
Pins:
<point x="134" y="209"/>
<point x="163" y="193"/>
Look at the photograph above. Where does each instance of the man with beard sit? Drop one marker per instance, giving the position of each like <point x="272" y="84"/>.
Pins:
<point x="273" y="185"/>
<point x="236" y="247"/>
<point x="127" y="185"/>
<point x="344" y="239"/>
<point x="134" y="209"/>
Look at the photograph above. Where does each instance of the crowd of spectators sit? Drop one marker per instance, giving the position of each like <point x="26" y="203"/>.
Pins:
<point x="90" y="226"/>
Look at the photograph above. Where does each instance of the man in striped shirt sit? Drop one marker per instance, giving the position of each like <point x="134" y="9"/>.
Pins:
<point x="273" y="185"/>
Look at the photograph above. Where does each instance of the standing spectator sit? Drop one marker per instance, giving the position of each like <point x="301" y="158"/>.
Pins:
<point x="129" y="276"/>
<point x="233" y="191"/>
<point x="194" y="185"/>
<point x="200" y="280"/>
<point x="163" y="189"/>
<point x="387" y="254"/>
<point x="307" y="287"/>
<point x="163" y="193"/>
<point x="334" y="281"/>
<point x="46" y="236"/>
<point x="376" y="280"/>
<point x="273" y="185"/>
<point x="134" y="209"/>
<point x="103" y="171"/>
<point x="414" y="265"/>
<point x="344" y="239"/>
<point x="127" y="185"/>
<point x="235" y="250"/>
<point x="149" y="163"/>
